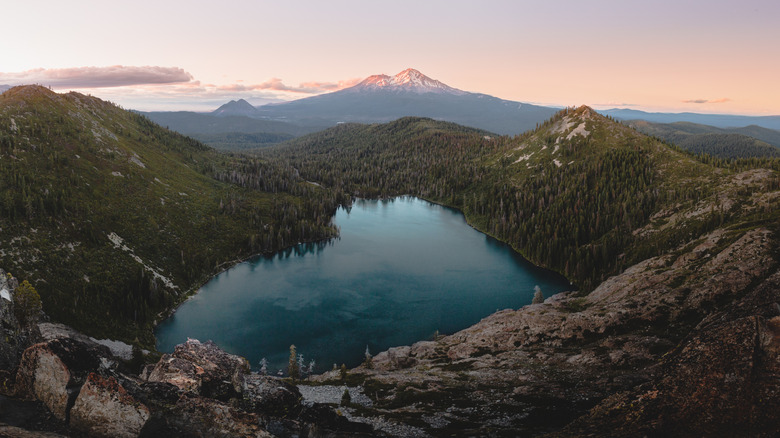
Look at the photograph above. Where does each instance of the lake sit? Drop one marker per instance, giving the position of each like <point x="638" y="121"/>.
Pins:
<point x="402" y="269"/>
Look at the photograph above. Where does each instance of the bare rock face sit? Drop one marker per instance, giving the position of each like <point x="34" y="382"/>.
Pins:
<point x="696" y="329"/>
<point x="199" y="416"/>
<point x="271" y="396"/>
<point x="53" y="371"/>
<point x="202" y="368"/>
<point x="724" y="380"/>
<point x="17" y="432"/>
<point x="105" y="409"/>
<point x="178" y="372"/>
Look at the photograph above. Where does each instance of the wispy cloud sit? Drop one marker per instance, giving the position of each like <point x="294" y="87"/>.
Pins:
<point x="613" y="104"/>
<point x="171" y="88"/>
<point x="98" y="77"/>
<point x="721" y="100"/>
<point x="276" y="84"/>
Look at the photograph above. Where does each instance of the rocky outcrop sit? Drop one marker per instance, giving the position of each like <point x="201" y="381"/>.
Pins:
<point x="723" y="380"/>
<point x="18" y="432"/>
<point x="104" y="408"/>
<point x="199" y="390"/>
<point x="201" y="416"/>
<point x="202" y="368"/>
<point x="53" y="372"/>
<point x="272" y="396"/>
<point x="697" y="325"/>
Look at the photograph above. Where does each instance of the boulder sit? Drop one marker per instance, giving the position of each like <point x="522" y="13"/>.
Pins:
<point x="271" y="396"/>
<point x="178" y="372"/>
<point x="202" y="368"/>
<point x="103" y="408"/>
<point x="53" y="372"/>
<point x="193" y="415"/>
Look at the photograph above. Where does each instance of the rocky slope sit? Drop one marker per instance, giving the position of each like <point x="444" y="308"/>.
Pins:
<point x="684" y="343"/>
<point x="67" y="384"/>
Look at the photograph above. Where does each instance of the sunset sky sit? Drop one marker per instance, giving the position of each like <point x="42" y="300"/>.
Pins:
<point x="703" y="56"/>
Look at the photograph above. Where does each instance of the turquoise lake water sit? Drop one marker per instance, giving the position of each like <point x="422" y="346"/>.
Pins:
<point x="401" y="270"/>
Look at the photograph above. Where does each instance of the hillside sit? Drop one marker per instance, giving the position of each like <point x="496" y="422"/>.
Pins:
<point x="676" y="262"/>
<point x="747" y="142"/>
<point x="566" y="195"/>
<point x="674" y="259"/>
<point x="113" y="219"/>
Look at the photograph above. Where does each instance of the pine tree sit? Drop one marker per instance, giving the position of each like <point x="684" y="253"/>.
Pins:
<point x="292" y="368"/>
<point x="343" y="372"/>
<point x="538" y="297"/>
<point x="369" y="363"/>
<point x="27" y="303"/>
<point x="345" y="397"/>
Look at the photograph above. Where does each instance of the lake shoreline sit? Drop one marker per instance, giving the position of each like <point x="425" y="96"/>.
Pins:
<point x="396" y="249"/>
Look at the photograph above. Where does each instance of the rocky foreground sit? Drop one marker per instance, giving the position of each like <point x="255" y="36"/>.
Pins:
<point x="684" y="344"/>
<point x="66" y="384"/>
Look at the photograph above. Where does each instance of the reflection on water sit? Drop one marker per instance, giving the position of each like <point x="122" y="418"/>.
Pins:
<point x="402" y="269"/>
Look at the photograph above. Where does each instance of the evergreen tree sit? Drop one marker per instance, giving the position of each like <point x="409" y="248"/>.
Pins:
<point x="292" y="368"/>
<point x="538" y="297"/>
<point x="27" y="304"/>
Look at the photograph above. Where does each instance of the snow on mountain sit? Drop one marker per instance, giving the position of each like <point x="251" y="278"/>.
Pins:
<point x="408" y="80"/>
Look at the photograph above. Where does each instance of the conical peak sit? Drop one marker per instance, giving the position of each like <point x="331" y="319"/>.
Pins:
<point x="408" y="80"/>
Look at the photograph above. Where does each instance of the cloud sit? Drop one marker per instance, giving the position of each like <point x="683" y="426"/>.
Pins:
<point x="614" y="104"/>
<point x="721" y="100"/>
<point x="276" y="84"/>
<point x="98" y="77"/>
<point x="165" y="88"/>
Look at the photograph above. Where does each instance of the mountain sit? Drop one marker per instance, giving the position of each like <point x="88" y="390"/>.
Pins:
<point x="672" y="330"/>
<point x="383" y="98"/>
<point x="115" y="219"/>
<point x="377" y="99"/>
<point x="718" y="120"/>
<point x="235" y="108"/>
<point x="718" y="142"/>
<point x="408" y="81"/>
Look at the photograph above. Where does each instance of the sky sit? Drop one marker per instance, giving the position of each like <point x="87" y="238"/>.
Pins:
<point x="710" y="56"/>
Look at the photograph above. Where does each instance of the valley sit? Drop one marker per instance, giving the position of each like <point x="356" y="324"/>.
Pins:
<point x="116" y="220"/>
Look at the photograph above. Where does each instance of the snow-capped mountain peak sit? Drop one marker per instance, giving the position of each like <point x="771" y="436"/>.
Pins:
<point x="408" y="80"/>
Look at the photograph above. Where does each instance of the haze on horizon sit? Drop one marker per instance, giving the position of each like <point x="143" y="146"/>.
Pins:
<point x="672" y="56"/>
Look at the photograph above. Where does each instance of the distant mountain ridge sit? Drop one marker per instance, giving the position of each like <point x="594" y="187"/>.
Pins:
<point x="749" y="141"/>
<point x="718" y="120"/>
<point x="238" y="107"/>
<point x="377" y="99"/>
<point x="383" y="98"/>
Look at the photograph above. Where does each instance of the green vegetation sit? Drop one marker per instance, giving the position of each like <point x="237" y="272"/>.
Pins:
<point x="236" y="141"/>
<point x="27" y="304"/>
<point x="116" y="220"/>
<point x="293" y="369"/>
<point x="747" y="142"/>
<point x="113" y="218"/>
<point x="571" y="195"/>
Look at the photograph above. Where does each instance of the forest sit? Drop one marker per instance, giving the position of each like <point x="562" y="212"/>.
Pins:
<point x="148" y="215"/>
